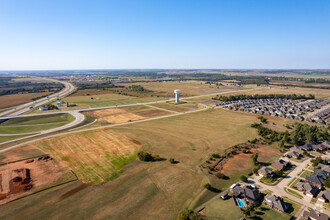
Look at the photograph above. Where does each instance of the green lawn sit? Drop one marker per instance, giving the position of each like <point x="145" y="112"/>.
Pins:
<point x="107" y="100"/>
<point x="34" y="124"/>
<point x="294" y="193"/>
<point x="305" y="173"/>
<point x="222" y="209"/>
<point x="8" y="138"/>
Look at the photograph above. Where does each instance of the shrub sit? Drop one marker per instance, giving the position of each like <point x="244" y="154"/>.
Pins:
<point x="171" y="160"/>
<point x="207" y="186"/>
<point x="216" y="155"/>
<point x="145" y="156"/>
<point x="243" y="178"/>
<point x="221" y="176"/>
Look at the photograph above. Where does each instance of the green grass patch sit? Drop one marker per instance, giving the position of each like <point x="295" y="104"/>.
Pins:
<point x="294" y="193"/>
<point x="305" y="173"/>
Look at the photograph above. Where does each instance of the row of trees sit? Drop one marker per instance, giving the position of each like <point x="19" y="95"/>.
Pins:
<point x="107" y="85"/>
<point x="259" y="96"/>
<point x="137" y="88"/>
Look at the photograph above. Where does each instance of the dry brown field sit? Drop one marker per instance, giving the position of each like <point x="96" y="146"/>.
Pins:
<point x="16" y="99"/>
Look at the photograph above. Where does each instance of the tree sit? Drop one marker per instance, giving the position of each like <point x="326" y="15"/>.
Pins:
<point x="208" y="186"/>
<point x="327" y="183"/>
<point x="145" y="156"/>
<point x="278" y="173"/>
<point x="243" y="178"/>
<point x="255" y="170"/>
<point x="254" y="158"/>
<point x="188" y="214"/>
<point x="171" y="160"/>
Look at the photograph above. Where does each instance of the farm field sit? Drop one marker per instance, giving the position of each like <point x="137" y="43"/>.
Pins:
<point x="34" y="124"/>
<point x="188" y="88"/>
<point x="16" y="99"/>
<point x="105" y="100"/>
<point x="95" y="156"/>
<point x="142" y="190"/>
<point x="125" y="114"/>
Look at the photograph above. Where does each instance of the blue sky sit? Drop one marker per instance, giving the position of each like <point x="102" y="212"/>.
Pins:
<point x="120" y="34"/>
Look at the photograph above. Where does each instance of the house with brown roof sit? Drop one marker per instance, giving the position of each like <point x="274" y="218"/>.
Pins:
<point x="279" y="164"/>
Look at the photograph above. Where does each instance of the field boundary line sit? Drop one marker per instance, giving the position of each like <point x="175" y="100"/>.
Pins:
<point x="163" y="109"/>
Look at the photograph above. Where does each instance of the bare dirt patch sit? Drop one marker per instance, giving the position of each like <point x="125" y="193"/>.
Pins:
<point x="95" y="156"/>
<point x="121" y="118"/>
<point x="101" y="113"/>
<point x="23" y="177"/>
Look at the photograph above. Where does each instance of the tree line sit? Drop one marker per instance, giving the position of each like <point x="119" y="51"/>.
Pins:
<point x="259" y="96"/>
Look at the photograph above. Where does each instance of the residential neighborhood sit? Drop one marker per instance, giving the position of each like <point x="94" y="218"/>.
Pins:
<point x="301" y="187"/>
<point x="301" y="109"/>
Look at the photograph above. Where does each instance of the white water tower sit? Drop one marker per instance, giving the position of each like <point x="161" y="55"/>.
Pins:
<point x="177" y="92"/>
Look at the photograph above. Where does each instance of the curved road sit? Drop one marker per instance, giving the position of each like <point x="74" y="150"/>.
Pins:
<point x="26" y="107"/>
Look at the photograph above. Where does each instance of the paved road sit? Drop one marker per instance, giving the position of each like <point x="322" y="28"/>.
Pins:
<point x="279" y="188"/>
<point x="26" y="107"/>
<point x="76" y="113"/>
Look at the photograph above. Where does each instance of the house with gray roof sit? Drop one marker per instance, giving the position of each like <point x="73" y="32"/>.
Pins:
<point x="245" y="195"/>
<point x="276" y="202"/>
<point x="324" y="196"/>
<point x="316" y="180"/>
<point x="314" y="215"/>
<point x="266" y="172"/>
<point x="309" y="189"/>
<point x="293" y="154"/>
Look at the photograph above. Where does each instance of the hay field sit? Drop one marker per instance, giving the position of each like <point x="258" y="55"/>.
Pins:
<point x="105" y="100"/>
<point x="144" y="190"/>
<point x="16" y="99"/>
<point x="95" y="156"/>
<point x="192" y="137"/>
<point x="188" y="88"/>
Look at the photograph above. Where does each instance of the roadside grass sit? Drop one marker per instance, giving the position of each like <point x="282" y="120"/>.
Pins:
<point x="305" y="173"/>
<point x="34" y="124"/>
<point x="172" y="107"/>
<point x="313" y="200"/>
<point x="105" y="100"/>
<point x="8" y="138"/>
<point x="292" y="192"/>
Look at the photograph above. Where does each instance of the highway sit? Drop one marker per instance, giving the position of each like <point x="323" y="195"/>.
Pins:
<point x="26" y="107"/>
<point x="80" y="117"/>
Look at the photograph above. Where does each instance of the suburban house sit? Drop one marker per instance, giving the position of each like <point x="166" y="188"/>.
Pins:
<point x="316" y="180"/>
<point x="324" y="196"/>
<point x="276" y="202"/>
<point x="320" y="148"/>
<point x="306" y="147"/>
<point x="307" y="188"/>
<point x="245" y="195"/>
<point x="297" y="150"/>
<point x="323" y="173"/>
<point x="280" y="164"/>
<point x="266" y="172"/>
<point x="293" y="154"/>
<point x="313" y="215"/>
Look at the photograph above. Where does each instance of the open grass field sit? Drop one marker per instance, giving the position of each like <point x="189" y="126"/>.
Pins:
<point x="125" y="114"/>
<point x="95" y="156"/>
<point x="34" y="124"/>
<point x="175" y="107"/>
<point x="188" y="88"/>
<point x="105" y="100"/>
<point x="16" y="99"/>
<point x="142" y="190"/>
